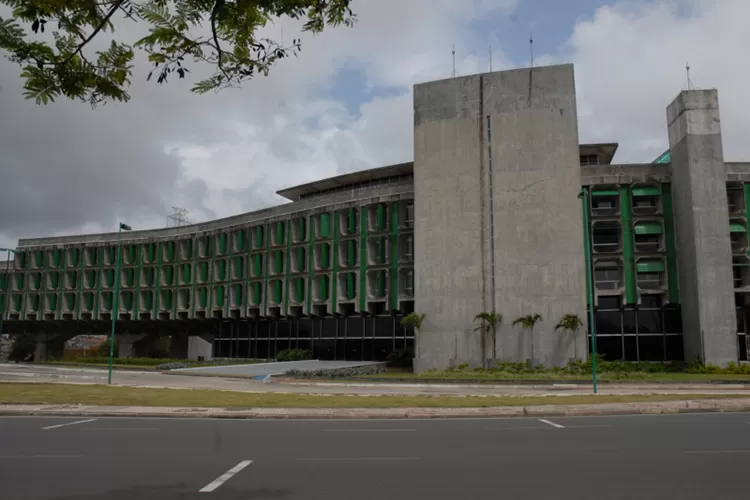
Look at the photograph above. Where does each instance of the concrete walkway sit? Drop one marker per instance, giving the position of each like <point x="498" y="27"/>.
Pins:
<point x="688" y="406"/>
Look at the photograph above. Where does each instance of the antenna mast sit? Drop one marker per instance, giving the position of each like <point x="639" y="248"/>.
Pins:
<point x="454" y="60"/>
<point x="531" y="48"/>
<point x="178" y="217"/>
<point x="689" y="81"/>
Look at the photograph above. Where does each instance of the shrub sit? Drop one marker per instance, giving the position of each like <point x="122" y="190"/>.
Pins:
<point x="351" y="371"/>
<point x="22" y="348"/>
<point x="294" y="355"/>
<point x="401" y="358"/>
<point x="172" y="366"/>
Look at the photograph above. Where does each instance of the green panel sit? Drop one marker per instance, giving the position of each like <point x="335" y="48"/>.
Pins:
<point x="189" y="249"/>
<point x="606" y="192"/>
<point x="169" y="275"/>
<point x="351" y="253"/>
<point x="650" y="266"/>
<point x="646" y="191"/>
<point x="52" y="302"/>
<point x="107" y="298"/>
<point x="219" y="296"/>
<point x="278" y="262"/>
<point x="221" y="270"/>
<point x="671" y="244"/>
<point x="151" y="253"/>
<point x="127" y="301"/>
<point x="300" y="289"/>
<point x="22" y="259"/>
<point x="380" y="217"/>
<point x="223" y="243"/>
<point x="149" y="276"/>
<point x="362" y="259"/>
<point x="109" y="277"/>
<point x="735" y="227"/>
<point x="54" y="280"/>
<point x="257" y="264"/>
<point x="380" y="284"/>
<point x="148" y="300"/>
<point x="325" y="225"/>
<point x="325" y="258"/>
<point x="88" y="298"/>
<point x="648" y="228"/>
<point x="38" y="258"/>
<point x="288" y="266"/>
<point x="258" y="237"/>
<point x="279" y="233"/>
<point x="238" y="268"/>
<point x="746" y="190"/>
<point x="17" y="299"/>
<point x="381" y="248"/>
<point x="3" y="281"/>
<point x="168" y="299"/>
<point x="301" y="259"/>
<point x="203" y="297"/>
<point x="129" y="277"/>
<point x="351" y="286"/>
<point x="187" y="274"/>
<point x="257" y="293"/>
<point x="302" y="228"/>
<point x="277" y="291"/>
<point x="310" y="262"/>
<point x="394" y="255"/>
<point x="628" y="244"/>
<point x="70" y="301"/>
<point x="241" y="240"/>
<point x="89" y="277"/>
<point x="324" y="287"/>
<point x="335" y="274"/>
<point x="36" y="281"/>
<point x="665" y="157"/>
<point x="266" y="271"/>
<point x="18" y="278"/>
<point x="34" y="302"/>
<point x="2" y="306"/>
<point x="57" y="256"/>
<point x="351" y="223"/>
<point x="99" y="281"/>
<point x="131" y="254"/>
<point x="237" y="292"/>
<point x="75" y="255"/>
<point x="171" y="250"/>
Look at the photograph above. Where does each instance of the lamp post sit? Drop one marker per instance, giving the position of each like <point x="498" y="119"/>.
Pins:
<point x="115" y="300"/>
<point x="6" y="296"/>
<point x="584" y="195"/>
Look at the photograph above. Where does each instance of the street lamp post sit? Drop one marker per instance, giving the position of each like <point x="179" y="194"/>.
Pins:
<point x="589" y="280"/>
<point x="6" y="296"/>
<point x="115" y="300"/>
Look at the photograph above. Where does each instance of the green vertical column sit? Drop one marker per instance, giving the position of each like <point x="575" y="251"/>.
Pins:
<point x="43" y="292"/>
<point x="394" y="255"/>
<point x="363" y="259"/>
<point x="335" y="267"/>
<point x="79" y="297"/>
<point x="310" y="260"/>
<point x="288" y="265"/>
<point x="139" y="262"/>
<point x="248" y="271"/>
<point x="628" y="257"/>
<point x="195" y="247"/>
<point x="266" y="266"/>
<point x="671" y="242"/>
<point x="157" y="287"/>
<point x="61" y="284"/>
<point x="99" y="252"/>
<point x="210" y="284"/>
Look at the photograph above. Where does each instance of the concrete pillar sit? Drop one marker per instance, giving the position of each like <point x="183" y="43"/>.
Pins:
<point x="200" y="346"/>
<point x="704" y="253"/>
<point x="517" y="132"/>
<point x="47" y="344"/>
<point x="125" y="344"/>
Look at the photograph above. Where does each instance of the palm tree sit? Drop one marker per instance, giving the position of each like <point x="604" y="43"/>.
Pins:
<point x="414" y="320"/>
<point x="489" y="323"/>
<point x="527" y="323"/>
<point x="571" y="323"/>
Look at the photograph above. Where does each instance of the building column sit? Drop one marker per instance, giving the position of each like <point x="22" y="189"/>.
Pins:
<point x="47" y="344"/>
<point x="701" y="215"/>
<point x="200" y="346"/>
<point x="126" y="342"/>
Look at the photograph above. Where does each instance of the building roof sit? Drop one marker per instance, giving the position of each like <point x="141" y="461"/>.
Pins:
<point x="605" y="151"/>
<point x="296" y="192"/>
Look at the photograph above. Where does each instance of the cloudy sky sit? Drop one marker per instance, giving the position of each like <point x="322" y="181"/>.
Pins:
<point x="345" y="104"/>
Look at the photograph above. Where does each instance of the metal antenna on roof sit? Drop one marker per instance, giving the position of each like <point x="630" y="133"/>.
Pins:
<point x="454" y="60"/>
<point x="689" y="81"/>
<point x="531" y="48"/>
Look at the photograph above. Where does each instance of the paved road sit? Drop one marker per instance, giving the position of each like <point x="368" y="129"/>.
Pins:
<point x="685" y="456"/>
<point x="36" y="373"/>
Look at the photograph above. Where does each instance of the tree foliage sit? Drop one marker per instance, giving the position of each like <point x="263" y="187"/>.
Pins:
<point x="569" y="322"/>
<point x="414" y="320"/>
<point x="51" y="42"/>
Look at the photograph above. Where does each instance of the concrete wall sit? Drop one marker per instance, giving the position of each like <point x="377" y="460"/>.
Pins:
<point x="702" y="227"/>
<point x="517" y="131"/>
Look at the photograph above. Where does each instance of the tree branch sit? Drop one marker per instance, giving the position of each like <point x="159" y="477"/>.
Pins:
<point x="115" y="7"/>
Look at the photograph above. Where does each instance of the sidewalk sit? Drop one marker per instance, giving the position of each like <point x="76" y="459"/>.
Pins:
<point x="688" y="406"/>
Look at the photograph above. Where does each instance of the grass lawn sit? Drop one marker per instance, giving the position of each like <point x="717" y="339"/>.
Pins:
<point x="396" y="374"/>
<point x="132" y="396"/>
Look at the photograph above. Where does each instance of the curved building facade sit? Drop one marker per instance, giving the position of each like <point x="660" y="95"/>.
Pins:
<point x="491" y="215"/>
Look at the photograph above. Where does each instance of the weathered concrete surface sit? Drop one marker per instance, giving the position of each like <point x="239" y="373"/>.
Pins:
<point x="704" y="254"/>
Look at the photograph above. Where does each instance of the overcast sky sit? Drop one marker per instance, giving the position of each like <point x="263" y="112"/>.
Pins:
<point x="345" y="104"/>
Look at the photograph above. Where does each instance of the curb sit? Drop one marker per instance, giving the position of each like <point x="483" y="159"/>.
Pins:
<point x="654" y="408"/>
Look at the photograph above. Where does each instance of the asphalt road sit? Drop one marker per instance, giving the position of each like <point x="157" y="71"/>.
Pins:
<point x="689" y="456"/>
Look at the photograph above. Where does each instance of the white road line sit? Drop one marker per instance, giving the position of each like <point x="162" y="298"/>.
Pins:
<point x="369" y="430"/>
<point x="551" y="423"/>
<point x="225" y="477"/>
<point x="353" y="459"/>
<point x="69" y="423"/>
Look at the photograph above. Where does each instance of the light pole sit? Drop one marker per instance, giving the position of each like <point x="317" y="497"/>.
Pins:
<point x="6" y="295"/>
<point x="584" y="195"/>
<point x="115" y="300"/>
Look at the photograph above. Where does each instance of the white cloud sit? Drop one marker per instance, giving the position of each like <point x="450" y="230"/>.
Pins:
<point x="630" y="64"/>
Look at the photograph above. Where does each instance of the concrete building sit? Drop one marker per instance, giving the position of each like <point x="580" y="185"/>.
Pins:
<point x="488" y="217"/>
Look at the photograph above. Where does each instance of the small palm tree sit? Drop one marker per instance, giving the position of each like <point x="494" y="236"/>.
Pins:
<point x="489" y="323"/>
<point x="571" y="323"/>
<point x="414" y="320"/>
<point x="528" y="322"/>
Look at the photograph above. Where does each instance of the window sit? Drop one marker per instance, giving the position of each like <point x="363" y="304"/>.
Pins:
<point x="645" y="205"/>
<point x="647" y="242"/>
<point x="606" y="237"/>
<point x="607" y="276"/>
<point x="735" y="198"/>
<point x="589" y="160"/>
<point x="605" y="205"/>
<point x="737" y="235"/>
<point x="649" y="281"/>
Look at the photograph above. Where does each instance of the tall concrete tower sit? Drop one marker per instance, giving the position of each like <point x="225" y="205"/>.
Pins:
<point x="498" y="222"/>
<point x="704" y="253"/>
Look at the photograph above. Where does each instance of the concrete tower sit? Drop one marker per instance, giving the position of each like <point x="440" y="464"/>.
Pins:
<point x="498" y="222"/>
<point x="704" y="253"/>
